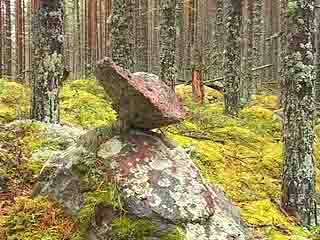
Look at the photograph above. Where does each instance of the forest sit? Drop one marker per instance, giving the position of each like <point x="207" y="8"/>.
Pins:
<point x="159" y="119"/>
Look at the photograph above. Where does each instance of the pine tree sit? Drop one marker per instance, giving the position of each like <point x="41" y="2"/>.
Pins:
<point x="8" y="37"/>
<point x="168" y="68"/>
<point x="298" y="183"/>
<point x="1" y="39"/>
<point x="232" y="9"/>
<point x="48" y="60"/>
<point x="219" y="35"/>
<point x="317" y="40"/>
<point x="122" y="40"/>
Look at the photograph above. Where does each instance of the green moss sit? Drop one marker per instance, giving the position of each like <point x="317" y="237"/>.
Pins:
<point x="82" y="102"/>
<point x="243" y="156"/>
<point x="124" y="228"/>
<point x="14" y="101"/>
<point x="176" y="234"/>
<point x="107" y="196"/>
<point x="31" y="219"/>
<point x="82" y="108"/>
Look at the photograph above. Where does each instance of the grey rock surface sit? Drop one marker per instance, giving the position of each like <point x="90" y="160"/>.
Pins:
<point x="158" y="181"/>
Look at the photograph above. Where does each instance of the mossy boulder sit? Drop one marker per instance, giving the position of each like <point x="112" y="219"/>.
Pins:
<point x="138" y="185"/>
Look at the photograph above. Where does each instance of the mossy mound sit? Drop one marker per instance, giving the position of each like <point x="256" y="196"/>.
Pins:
<point x="14" y="100"/>
<point x="244" y="156"/>
<point x="83" y="103"/>
<point x="31" y="219"/>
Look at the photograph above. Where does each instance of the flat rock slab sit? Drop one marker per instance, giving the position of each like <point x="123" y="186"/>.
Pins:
<point x="142" y="100"/>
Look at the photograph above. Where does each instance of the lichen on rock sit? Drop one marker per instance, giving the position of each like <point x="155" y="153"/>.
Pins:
<point x="155" y="182"/>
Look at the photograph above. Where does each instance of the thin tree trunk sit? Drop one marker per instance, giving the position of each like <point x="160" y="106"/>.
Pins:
<point x="8" y="41"/>
<point x="108" y="46"/>
<point x="284" y="47"/>
<point x="268" y="43"/>
<point x="251" y="85"/>
<point x="168" y="66"/>
<point x="220" y="36"/>
<point x="257" y="42"/>
<point x="232" y="57"/>
<point x="180" y="42"/>
<point x="122" y="39"/>
<point x="19" y="38"/>
<point x="275" y="41"/>
<point x="197" y="74"/>
<point x="317" y="41"/>
<point x="1" y="38"/>
<point x="142" y="36"/>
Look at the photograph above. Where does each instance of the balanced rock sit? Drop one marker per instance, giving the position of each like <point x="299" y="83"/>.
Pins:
<point x="141" y="100"/>
<point x="157" y="183"/>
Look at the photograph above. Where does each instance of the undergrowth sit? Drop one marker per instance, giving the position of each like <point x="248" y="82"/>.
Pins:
<point x="242" y="155"/>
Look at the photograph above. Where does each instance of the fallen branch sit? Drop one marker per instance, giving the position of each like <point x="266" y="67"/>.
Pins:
<point x="275" y="35"/>
<point x="261" y="67"/>
<point x="214" y="80"/>
<point x="195" y="135"/>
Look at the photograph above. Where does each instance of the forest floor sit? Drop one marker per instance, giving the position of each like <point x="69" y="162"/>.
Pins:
<point x="241" y="155"/>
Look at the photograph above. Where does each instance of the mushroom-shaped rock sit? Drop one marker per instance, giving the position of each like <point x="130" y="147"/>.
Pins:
<point x="157" y="181"/>
<point x="142" y="100"/>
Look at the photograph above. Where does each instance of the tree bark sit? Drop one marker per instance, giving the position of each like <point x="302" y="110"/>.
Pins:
<point x="142" y="36"/>
<point x="48" y="60"/>
<point x="317" y="41"/>
<point x="284" y="47"/>
<point x="8" y="41"/>
<point x="197" y="54"/>
<point x="122" y="39"/>
<point x="250" y="80"/>
<point x="168" y="68"/>
<point x="19" y="61"/>
<point x="268" y="54"/>
<point x="1" y="38"/>
<point x="232" y="57"/>
<point x="257" y="42"/>
<point x="298" y="183"/>
<point x="220" y="35"/>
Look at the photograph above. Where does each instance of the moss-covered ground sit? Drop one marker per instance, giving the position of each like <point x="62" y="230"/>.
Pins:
<point x="242" y="155"/>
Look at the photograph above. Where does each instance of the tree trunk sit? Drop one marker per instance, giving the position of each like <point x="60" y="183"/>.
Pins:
<point x="232" y="57"/>
<point x="220" y="36"/>
<point x="168" y="66"/>
<point x="48" y="60"/>
<point x="317" y="41"/>
<point x="122" y="40"/>
<point x="250" y="81"/>
<point x="108" y="9"/>
<point x="275" y="40"/>
<point x="298" y="183"/>
<point x="141" y="26"/>
<point x="8" y="41"/>
<point x="197" y="54"/>
<point x="19" y="47"/>
<point x="284" y="47"/>
<point x="267" y="40"/>
<point x="92" y="34"/>
<point x="1" y="38"/>
<point x="180" y="41"/>
<point x="257" y="42"/>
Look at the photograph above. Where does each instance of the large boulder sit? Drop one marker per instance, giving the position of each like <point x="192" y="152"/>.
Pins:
<point x="142" y="100"/>
<point x="156" y="183"/>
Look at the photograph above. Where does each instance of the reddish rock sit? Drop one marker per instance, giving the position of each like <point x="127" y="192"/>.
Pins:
<point x="141" y="100"/>
<point x="157" y="183"/>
